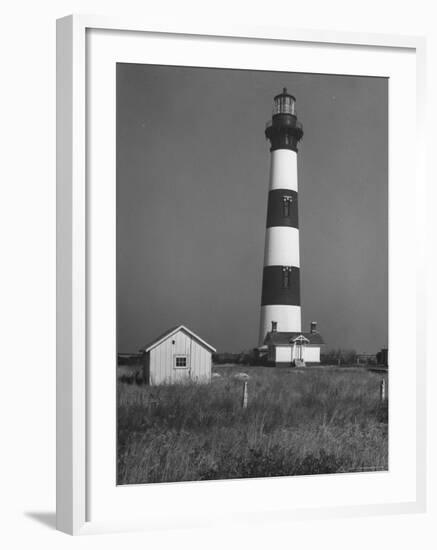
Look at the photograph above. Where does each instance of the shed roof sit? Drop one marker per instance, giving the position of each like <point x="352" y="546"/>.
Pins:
<point x="172" y="331"/>
<point x="284" y="338"/>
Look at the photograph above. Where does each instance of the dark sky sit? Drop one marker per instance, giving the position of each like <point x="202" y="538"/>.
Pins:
<point x="192" y="184"/>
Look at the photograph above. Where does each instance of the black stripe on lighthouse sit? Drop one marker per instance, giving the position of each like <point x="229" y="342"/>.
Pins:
<point x="281" y="286"/>
<point x="282" y="210"/>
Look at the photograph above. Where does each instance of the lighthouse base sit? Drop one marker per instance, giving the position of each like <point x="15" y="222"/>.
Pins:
<point x="288" y="319"/>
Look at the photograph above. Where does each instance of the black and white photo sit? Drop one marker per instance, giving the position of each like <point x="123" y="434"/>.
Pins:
<point x="252" y="273"/>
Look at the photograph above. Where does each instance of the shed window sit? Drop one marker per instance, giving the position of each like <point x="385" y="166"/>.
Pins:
<point x="181" y="361"/>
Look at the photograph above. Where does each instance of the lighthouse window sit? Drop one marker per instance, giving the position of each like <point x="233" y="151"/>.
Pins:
<point x="285" y="278"/>
<point x="286" y="208"/>
<point x="286" y="201"/>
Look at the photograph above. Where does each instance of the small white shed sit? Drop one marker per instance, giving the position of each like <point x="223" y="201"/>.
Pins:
<point x="178" y="356"/>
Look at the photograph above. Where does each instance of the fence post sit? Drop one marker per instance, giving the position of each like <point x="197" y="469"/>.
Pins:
<point x="245" y="396"/>
<point x="382" y="391"/>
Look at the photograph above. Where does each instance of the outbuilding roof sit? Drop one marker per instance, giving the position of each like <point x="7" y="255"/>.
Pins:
<point x="285" y="338"/>
<point x="172" y="331"/>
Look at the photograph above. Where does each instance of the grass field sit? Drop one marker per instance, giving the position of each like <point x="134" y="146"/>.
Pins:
<point x="298" y="421"/>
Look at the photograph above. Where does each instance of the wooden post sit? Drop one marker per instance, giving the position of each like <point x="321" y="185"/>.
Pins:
<point x="245" y="397"/>
<point x="382" y="392"/>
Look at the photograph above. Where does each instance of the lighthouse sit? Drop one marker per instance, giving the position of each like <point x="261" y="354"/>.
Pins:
<point x="280" y="300"/>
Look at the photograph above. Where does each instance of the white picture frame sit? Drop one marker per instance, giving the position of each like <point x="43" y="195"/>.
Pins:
<point x="74" y="283"/>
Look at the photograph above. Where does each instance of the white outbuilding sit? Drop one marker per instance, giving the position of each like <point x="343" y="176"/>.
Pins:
<point x="293" y="348"/>
<point x="178" y="356"/>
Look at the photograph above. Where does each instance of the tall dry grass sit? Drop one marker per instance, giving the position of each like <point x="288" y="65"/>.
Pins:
<point x="297" y="422"/>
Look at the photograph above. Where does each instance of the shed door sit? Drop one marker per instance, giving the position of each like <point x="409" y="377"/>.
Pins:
<point x="181" y="368"/>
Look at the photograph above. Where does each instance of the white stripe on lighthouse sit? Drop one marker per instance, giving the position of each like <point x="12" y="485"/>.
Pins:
<point x="287" y="317"/>
<point x="282" y="246"/>
<point x="283" y="169"/>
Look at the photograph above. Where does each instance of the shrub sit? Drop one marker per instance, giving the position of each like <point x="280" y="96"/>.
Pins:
<point x="338" y="357"/>
<point x="274" y="462"/>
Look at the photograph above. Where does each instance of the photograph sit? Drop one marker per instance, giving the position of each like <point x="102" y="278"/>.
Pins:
<point x="251" y="273"/>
